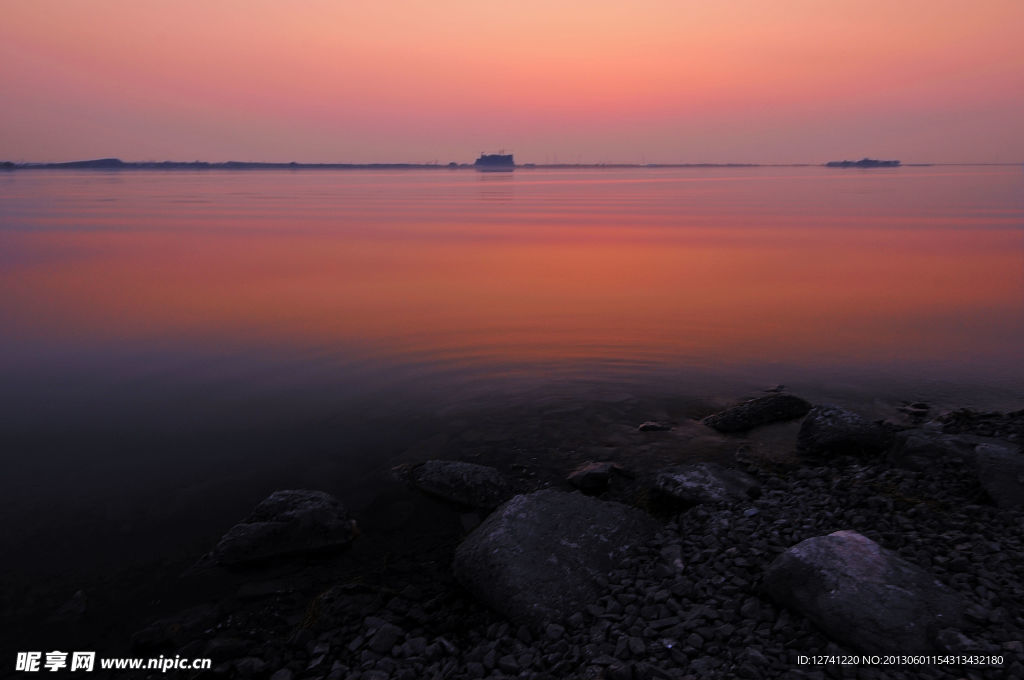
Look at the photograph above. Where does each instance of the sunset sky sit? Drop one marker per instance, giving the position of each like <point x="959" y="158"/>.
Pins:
<point x="567" y="81"/>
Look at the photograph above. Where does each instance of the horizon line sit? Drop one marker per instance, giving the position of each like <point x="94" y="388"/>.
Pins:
<point x="113" y="163"/>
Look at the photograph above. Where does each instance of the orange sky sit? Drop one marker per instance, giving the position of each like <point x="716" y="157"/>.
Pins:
<point x="594" y="81"/>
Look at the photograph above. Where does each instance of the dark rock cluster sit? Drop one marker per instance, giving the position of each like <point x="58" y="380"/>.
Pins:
<point x="869" y="544"/>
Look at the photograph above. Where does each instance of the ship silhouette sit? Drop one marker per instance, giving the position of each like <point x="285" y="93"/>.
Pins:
<point x="495" y="162"/>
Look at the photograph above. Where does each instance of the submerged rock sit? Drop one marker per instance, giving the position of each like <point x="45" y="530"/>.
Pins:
<point x="706" y="483"/>
<point x="285" y="523"/>
<point x="73" y="610"/>
<point x="863" y="595"/>
<point x="653" y="426"/>
<point x="770" y="408"/>
<point x="593" y="478"/>
<point x="543" y="556"/>
<point x="1001" y="474"/>
<point x="171" y="632"/>
<point x="833" y="430"/>
<point x="466" y="484"/>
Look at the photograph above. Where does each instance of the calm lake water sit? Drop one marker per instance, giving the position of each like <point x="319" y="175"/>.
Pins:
<point x="172" y="337"/>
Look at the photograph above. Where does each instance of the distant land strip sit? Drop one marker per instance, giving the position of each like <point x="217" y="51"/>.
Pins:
<point x="118" y="164"/>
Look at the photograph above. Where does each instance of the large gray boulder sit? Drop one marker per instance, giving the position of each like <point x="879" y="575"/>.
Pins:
<point x="863" y="595"/>
<point x="833" y="430"/>
<point x="468" y="484"/>
<point x="770" y="408"/>
<point x="1001" y="474"/>
<point x="706" y="483"/>
<point x="286" y="523"/>
<point x="545" y="555"/>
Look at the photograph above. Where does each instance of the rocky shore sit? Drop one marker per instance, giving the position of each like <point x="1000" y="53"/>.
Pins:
<point x="903" y="537"/>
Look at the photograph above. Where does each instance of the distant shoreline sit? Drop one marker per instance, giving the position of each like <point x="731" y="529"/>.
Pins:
<point x="117" y="164"/>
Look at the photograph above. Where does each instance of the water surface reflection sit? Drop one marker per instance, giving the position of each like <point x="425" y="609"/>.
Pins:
<point x="209" y="328"/>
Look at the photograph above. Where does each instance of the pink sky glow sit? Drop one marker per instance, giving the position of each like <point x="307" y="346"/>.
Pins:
<point x="665" y="81"/>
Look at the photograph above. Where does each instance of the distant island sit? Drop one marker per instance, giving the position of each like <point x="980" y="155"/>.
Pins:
<point x="863" y="163"/>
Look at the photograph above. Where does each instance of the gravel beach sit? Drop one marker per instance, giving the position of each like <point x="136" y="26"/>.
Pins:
<point x="689" y="597"/>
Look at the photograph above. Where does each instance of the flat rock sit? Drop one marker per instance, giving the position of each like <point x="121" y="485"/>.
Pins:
<point x="985" y="423"/>
<point x="833" y="430"/>
<point x="543" y="556"/>
<point x="916" y="411"/>
<point x="770" y="408"/>
<point x="593" y="478"/>
<point x="706" y="483"/>
<point x="1001" y="474"/>
<point x="466" y="484"/>
<point x="863" y="595"/>
<point x="287" y="522"/>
